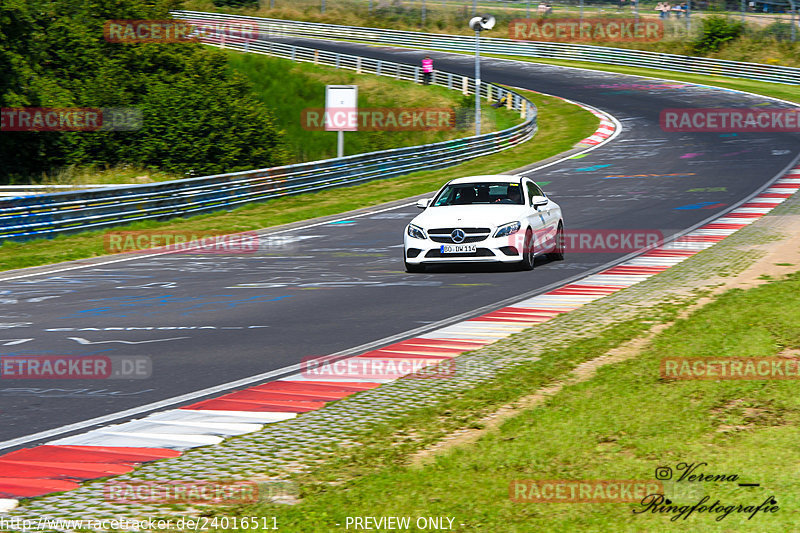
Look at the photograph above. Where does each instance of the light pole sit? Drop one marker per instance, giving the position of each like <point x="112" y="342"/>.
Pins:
<point x="486" y="22"/>
<point x="688" y="12"/>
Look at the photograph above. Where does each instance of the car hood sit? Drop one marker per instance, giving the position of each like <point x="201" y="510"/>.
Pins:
<point x="469" y="216"/>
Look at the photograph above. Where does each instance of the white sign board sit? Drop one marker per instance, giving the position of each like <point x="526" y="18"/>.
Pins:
<point x="341" y="108"/>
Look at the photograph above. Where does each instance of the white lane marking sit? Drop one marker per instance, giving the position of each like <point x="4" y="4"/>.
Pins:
<point x="256" y="417"/>
<point x="81" y="340"/>
<point x="11" y="342"/>
<point x="8" y="504"/>
<point x="146" y="408"/>
<point x="137" y="440"/>
<point x="145" y="256"/>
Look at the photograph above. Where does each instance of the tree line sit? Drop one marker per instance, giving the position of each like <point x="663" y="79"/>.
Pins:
<point x="197" y="116"/>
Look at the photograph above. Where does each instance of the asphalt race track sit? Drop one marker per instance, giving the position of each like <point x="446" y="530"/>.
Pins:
<point x="208" y="319"/>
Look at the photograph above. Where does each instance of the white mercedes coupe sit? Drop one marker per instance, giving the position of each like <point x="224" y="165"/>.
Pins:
<point x="499" y="218"/>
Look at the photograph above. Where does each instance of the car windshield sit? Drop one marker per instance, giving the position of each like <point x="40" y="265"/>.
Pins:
<point x="480" y="193"/>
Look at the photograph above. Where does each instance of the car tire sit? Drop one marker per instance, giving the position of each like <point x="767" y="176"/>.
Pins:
<point x="413" y="269"/>
<point x="558" y="251"/>
<point x="527" y="252"/>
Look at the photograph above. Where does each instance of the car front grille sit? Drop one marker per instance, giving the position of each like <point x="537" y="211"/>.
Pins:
<point x="442" y="235"/>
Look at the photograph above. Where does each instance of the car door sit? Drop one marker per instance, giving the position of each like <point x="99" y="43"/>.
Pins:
<point x="543" y="217"/>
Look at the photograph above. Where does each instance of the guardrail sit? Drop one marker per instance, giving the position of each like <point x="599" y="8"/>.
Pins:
<point x="57" y="213"/>
<point x="30" y="190"/>
<point x="278" y="28"/>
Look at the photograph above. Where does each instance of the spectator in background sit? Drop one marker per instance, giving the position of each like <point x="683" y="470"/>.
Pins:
<point x="541" y="10"/>
<point x="427" y="70"/>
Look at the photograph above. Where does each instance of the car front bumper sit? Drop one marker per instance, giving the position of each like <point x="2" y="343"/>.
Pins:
<point x="506" y="249"/>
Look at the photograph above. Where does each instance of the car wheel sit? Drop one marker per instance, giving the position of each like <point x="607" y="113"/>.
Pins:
<point x="558" y="251"/>
<point x="527" y="252"/>
<point x="413" y="269"/>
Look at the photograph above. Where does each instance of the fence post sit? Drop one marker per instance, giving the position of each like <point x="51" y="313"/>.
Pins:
<point x="358" y="65"/>
<point x="449" y="80"/>
<point x="416" y="74"/>
<point x="523" y="109"/>
<point x="465" y="86"/>
<point x="316" y="57"/>
<point x="378" y="68"/>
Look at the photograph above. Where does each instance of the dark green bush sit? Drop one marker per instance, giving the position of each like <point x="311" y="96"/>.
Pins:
<point x="715" y="31"/>
<point x="199" y="118"/>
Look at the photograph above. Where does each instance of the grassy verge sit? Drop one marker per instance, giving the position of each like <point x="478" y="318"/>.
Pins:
<point x="561" y="125"/>
<point x="289" y="88"/>
<point x="621" y="424"/>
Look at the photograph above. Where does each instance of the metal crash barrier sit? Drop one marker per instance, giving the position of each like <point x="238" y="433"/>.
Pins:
<point x="49" y="215"/>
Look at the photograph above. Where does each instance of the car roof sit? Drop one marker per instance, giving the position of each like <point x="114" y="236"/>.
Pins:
<point x="510" y="178"/>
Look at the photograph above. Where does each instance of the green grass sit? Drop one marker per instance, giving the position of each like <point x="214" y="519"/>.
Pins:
<point x="91" y="175"/>
<point x="561" y="125"/>
<point x="289" y="88"/>
<point x="621" y="424"/>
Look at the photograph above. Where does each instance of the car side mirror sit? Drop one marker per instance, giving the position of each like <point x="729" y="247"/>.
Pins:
<point x="538" y="201"/>
<point x="423" y="203"/>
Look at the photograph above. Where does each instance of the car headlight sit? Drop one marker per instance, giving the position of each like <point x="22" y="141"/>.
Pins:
<point x="507" y="229"/>
<point x="416" y="232"/>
